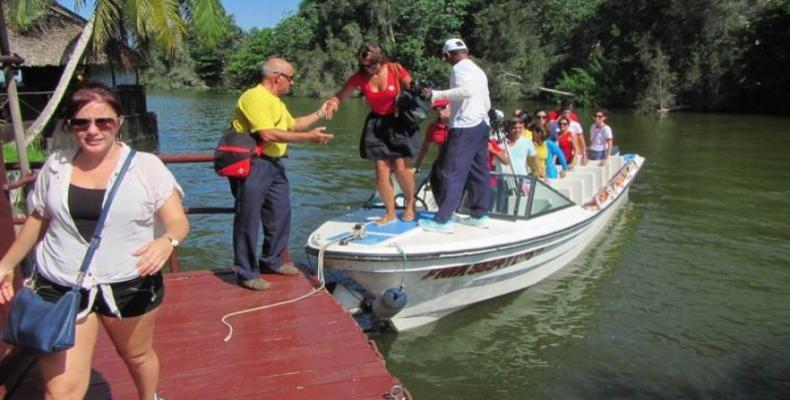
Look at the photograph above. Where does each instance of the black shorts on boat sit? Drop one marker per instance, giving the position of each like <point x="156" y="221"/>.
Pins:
<point x="385" y="137"/>
<point x="133" y="298"/>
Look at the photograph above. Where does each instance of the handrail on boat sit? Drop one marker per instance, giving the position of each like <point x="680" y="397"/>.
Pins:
<point x="184" y="158"/>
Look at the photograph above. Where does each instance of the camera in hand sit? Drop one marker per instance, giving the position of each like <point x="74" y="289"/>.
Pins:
<point x="418" y="85"/>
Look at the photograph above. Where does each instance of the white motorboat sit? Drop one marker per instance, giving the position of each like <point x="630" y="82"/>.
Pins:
<point x="416" y="277"/>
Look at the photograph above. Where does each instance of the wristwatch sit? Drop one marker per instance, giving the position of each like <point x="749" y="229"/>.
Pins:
<point x="173" y="242"/>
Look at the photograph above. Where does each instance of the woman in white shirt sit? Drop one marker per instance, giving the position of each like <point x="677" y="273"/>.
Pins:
<point x="601" y="137"/>
<point x="123" y="285"/>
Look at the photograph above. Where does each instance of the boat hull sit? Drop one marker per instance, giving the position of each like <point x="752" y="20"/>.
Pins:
<point x="441" y="282"/>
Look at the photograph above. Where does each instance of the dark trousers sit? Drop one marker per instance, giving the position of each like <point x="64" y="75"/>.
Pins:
<point x="463" y="163"/>
<point x="263" y="198"/>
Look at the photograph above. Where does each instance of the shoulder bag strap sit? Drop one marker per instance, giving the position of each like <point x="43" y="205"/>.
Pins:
<point x="96" y="238"/>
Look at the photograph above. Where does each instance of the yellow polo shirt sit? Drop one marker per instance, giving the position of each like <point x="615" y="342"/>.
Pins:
<point x="259" y="109"/>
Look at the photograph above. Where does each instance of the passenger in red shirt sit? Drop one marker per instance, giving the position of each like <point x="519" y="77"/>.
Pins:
<point x="385" y="140"/>
<point x="565" y="139"/>
<point x="436" y="133"/>
<point x="437" y="130"/>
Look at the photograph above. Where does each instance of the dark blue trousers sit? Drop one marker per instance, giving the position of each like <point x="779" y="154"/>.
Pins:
<point x="263" y="198"/>
<point x="463" y="163"/>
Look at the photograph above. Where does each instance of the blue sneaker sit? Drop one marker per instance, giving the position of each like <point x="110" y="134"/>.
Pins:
<point x="483" y="222"/>
<point x="430" y="225"/>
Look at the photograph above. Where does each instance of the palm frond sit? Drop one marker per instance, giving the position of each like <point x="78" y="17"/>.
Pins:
<point x="22" y="14"/>
<point x="106" y="23"/>
<point x="207" y="20"/>
<point x="171" y="28"/>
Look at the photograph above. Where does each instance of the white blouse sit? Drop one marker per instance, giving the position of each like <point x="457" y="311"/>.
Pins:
<point x="130" y="224"/>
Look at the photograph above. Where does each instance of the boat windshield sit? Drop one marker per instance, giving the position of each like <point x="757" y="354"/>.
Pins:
<point x="514" y="197"/>
<point x="522" y="197"/>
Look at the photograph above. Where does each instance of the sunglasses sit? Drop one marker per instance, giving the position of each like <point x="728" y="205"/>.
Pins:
<point x="563" y="123"/>
<point x="104" y="124"/>
<point x="541" y="116"/>
<point x="599" y="115"/>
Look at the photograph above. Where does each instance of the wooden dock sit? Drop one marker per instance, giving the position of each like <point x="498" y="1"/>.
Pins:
<point x="310" y="349"/>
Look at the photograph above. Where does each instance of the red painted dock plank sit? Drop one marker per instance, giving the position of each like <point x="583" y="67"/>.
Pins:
<point x="305" y="350"/>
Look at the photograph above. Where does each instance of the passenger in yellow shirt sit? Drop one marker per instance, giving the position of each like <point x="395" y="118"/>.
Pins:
<point x="263" y="198"/>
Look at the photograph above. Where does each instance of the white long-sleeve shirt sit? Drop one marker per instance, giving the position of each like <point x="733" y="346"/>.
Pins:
<point x="468" y="93"/>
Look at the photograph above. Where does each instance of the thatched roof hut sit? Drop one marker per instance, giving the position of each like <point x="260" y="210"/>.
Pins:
<point x="49" y="41"/>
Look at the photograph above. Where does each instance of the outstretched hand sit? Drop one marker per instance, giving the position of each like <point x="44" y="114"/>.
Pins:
<point x="319" y="135"/>
<point x="329" y="107"/>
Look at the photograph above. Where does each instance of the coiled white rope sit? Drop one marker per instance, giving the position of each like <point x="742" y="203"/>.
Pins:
<point x="357" y="232"/>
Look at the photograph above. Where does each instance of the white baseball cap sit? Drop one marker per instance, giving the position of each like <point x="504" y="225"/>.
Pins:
<point x="453" y="45"/>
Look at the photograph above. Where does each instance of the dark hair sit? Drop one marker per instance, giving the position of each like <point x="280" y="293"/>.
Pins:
<point x="88" y="92"/>
<point x="369" y="52"/>
<point x="603" y="111"/>
<point x="566" y="104"/>
<point x="524" y="117"/>
<point x="538" y="131"/>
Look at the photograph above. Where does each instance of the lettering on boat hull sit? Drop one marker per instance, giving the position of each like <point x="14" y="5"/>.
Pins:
<point x="485" y="266"/>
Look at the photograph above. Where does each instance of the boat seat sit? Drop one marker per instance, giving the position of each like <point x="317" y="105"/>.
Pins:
<point x="596" y="172"/>
<point x="586" y="180"/>
<point x="570" y="187"/>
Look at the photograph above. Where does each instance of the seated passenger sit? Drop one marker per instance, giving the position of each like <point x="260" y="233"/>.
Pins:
<point x="601" y="137"/>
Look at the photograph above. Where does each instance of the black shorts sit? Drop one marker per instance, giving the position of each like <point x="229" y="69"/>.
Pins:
<point x="133" y="298"/>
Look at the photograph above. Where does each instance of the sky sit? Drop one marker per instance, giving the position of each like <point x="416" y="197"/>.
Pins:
<point x="248" y="13"/>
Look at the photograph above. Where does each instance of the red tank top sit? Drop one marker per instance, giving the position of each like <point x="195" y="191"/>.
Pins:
<point x="566" y="145"/>
<point x="383" y="102"/>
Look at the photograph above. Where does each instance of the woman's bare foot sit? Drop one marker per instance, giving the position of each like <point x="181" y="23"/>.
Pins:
<point x="408" y="215"/>
<point x="386" y="219"/>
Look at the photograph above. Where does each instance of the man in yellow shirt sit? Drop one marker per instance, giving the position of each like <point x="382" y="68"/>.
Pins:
<point x="263" y="198"/>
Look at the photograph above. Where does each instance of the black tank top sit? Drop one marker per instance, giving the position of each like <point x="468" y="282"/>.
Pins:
<point x="85" y="208"/>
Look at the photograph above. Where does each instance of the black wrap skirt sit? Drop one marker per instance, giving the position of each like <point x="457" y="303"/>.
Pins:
<point x="385" y="137"/>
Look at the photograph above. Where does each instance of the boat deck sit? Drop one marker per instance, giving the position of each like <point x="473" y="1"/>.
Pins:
<point x="304" y="350"/>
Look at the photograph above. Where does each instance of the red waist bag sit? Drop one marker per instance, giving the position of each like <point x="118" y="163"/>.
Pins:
<point x="233" y="155"/>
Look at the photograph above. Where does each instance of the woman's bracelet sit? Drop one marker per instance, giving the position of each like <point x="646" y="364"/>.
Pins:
<point x="319" y="114"/>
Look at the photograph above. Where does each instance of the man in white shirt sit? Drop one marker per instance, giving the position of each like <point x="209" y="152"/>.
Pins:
<point x="463" y="160"/>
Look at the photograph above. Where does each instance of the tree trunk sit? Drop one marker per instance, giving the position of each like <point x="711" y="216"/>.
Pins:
<point x="68" y="73"/>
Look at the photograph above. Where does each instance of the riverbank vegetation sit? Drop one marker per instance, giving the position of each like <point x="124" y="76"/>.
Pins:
<point x="645" y="54"/>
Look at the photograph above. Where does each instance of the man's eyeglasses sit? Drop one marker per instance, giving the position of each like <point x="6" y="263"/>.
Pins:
<point x="286" y="76"/>
<point x="104" y="124"/>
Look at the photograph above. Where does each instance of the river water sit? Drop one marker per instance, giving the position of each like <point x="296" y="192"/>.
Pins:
<point x="687" y="295"/>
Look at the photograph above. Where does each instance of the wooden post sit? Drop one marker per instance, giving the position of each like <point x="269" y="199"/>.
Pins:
<point x="13" y="98"/>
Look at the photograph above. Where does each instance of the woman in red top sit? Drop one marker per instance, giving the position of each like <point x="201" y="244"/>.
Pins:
<point x="385" y="140"/>
<point x="565" y="138"/>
